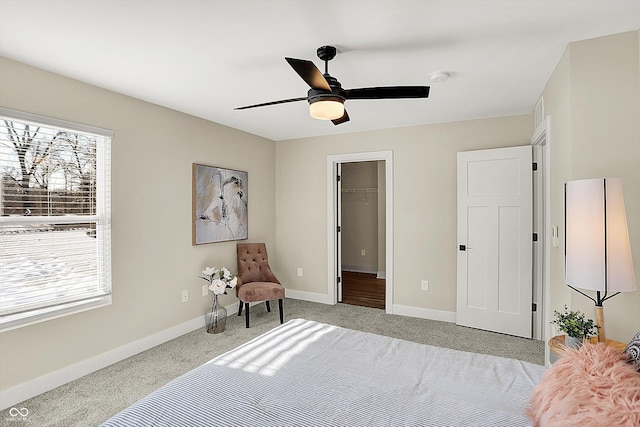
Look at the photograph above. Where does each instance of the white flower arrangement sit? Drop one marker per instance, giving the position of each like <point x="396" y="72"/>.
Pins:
<point x="219" y="279"/>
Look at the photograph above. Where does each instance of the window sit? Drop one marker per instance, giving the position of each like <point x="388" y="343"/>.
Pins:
<point x="55" y="216"/>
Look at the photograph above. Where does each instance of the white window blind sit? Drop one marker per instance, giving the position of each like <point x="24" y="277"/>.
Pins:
<point x="55" y="218"/>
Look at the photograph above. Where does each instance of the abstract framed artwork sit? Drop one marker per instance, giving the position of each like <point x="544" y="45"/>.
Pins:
<point x="219" y="204"/>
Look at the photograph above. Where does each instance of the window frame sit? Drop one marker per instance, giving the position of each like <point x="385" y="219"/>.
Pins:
<point x="102" y="218"/>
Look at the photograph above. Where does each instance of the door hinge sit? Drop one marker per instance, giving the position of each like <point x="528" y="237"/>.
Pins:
<point x="338" y="178"/>
<point x="339" y="229"/>
<point x="339" y="279"/>
<point x="535" y="237"/>
<point x="534" y="306"/>
<point x="535" y="166"/>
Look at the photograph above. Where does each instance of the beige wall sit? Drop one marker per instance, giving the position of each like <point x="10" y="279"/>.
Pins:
<point x="425" y="241"/>
<point x="360" y="216"/>
<point x="153" y="260"/>
<point x="595" y="116"/>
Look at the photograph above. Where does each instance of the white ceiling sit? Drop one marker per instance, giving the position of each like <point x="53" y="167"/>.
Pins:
<point x="206" y="57"/>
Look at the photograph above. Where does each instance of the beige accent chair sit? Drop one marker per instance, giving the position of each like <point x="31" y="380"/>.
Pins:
<point x="256" y="281"/>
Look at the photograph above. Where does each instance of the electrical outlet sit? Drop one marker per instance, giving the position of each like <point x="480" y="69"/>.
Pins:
<point x="205" y="290"/>
<point x="185" y="296"/>
<point x="299" y="272"/>
<point x="425" y="285"/>
<point x="362" y="252"/>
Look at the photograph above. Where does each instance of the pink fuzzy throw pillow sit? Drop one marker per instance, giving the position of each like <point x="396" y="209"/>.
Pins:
<point x="590" y="386"/>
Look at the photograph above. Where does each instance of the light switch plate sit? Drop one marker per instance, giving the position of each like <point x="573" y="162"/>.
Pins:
<point x="554" y="237"/>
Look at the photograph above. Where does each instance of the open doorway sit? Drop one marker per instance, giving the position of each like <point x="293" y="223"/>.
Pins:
<point x="362" y="233"/>
<point x="334" y="243"/>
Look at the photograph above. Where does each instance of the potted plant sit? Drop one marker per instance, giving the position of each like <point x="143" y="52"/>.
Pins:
<point x="574" y="323"/>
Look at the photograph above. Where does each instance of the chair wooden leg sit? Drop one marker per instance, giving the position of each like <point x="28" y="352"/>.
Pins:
<point x="268" y="306"/>
<point x="246" y="313"/>
<point x="281" y="312"/>
<point x="240" y="304"/>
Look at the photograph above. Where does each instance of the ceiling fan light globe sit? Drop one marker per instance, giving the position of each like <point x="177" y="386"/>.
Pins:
<point x="326" y="110"/>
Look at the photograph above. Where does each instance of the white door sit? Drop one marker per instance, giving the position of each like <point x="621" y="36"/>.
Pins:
<point x="495" y="240"/>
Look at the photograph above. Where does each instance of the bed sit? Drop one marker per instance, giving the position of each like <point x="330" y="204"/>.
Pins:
<point x="306" y="373"/>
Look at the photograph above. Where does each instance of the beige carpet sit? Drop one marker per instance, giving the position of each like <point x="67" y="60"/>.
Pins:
<point x="92" y="399"/>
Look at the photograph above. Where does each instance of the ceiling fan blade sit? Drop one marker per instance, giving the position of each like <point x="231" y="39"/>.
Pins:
<point x="284" y="101"/>
<point x="388" y="92"/>
<point x="309" y="73"/>
<point x="343" y="119"/>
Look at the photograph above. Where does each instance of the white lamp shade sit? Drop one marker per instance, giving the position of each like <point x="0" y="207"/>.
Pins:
<point x="597" y="246"/>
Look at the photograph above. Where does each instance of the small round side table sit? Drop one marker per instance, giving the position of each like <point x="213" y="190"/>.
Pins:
<point x="558" y="347"/>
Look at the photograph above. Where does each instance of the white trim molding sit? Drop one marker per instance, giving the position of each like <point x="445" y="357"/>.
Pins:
<point x="425" y="313"/>
<point x="542" y="138"/>
<point x="308" y="296"/>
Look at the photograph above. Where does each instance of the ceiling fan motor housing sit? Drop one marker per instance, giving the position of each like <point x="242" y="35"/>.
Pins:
<point x="336" y="94"/>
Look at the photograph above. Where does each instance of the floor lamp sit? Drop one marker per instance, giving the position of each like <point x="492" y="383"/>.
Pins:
<point x="597" y="247"/>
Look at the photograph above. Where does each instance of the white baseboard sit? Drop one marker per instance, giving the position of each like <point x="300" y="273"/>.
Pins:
<point x="425" y="313"/>
<point x="44" y="383"/>
<point x="371" y="269"/>
<point x="381" y="275"/>
<point x="308" y="296"/>
<point x="401" y="310"/>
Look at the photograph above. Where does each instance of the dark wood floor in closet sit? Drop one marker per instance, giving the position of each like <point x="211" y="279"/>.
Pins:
<point x="363" y="289"/>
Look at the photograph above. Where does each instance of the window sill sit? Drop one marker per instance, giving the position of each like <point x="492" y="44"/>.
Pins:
<point x="15" y="321"/>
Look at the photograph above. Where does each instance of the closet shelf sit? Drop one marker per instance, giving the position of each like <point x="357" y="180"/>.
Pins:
<point x="359" y="190"/>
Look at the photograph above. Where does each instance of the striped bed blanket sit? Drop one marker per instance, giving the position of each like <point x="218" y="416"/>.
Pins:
<point x="305" y="373"/>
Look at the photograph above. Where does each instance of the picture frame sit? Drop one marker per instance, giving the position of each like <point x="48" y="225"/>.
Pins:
<point x="219" y="204"/>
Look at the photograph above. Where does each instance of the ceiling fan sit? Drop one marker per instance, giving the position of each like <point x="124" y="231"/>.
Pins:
<point x="326" y="96"/>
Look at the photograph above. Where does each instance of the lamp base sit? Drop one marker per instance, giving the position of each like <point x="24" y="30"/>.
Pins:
<point x="600" y="323"/>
